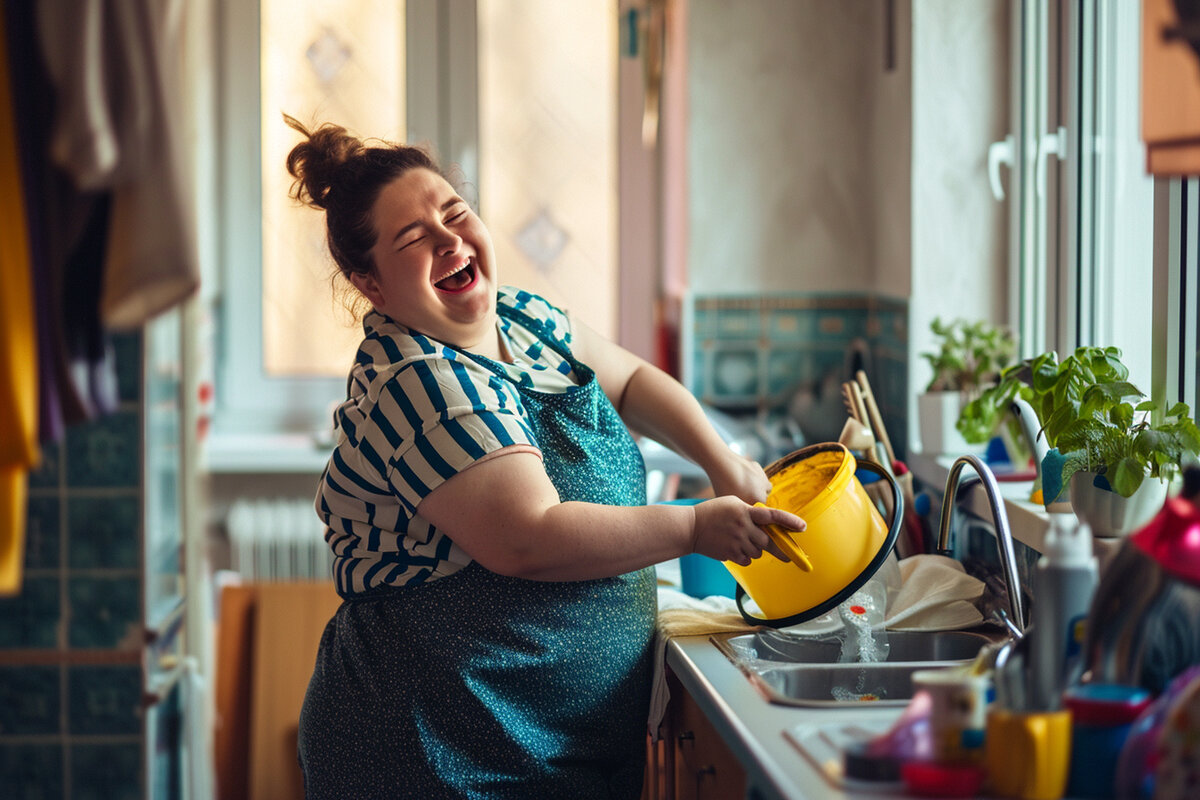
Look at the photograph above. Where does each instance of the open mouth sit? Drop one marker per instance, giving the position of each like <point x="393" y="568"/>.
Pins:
<point x="459" y="280"/>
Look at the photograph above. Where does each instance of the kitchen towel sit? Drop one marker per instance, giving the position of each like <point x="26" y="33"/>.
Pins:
<point x="935" y="593"/>
<point x="682" y="615"/>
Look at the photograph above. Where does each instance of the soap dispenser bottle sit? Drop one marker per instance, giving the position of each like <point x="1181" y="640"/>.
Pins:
<point x="1064" y="582"/>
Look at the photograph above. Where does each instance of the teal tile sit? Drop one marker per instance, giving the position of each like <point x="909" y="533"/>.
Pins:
<point x="786" y="371"/>
<point x="790" y="324"/>
<point x="32" y="771"/>
<point x="104" y="700"/>
<point x="103" y="532"/>
<point x="127" y="347"/>
<point x="106" y="771"/>
<point x="29" y="701"/>
<point x="43" y="532"/>
<point x="46" y="475"/>
<point x="31" y="619"/>
<point x="105" y="452"/>
<point x="735" y="372"/>
<point x="104" y="611"/>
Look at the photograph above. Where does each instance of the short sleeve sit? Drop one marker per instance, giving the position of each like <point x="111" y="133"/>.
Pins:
<point x="441" y="415"/>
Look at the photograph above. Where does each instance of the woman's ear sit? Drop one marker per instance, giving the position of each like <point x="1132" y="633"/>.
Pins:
<point x="369" y="287"/>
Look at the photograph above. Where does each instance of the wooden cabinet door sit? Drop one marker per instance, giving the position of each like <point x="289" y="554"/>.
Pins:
<point x="704" y="768"/>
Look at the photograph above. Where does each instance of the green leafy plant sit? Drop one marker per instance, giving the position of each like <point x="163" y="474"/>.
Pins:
<point x="970" y="355"/>
<point x="1093" y="415"/>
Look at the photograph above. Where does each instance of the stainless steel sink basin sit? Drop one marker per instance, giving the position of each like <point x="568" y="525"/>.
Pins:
<point x="806" y="672"/>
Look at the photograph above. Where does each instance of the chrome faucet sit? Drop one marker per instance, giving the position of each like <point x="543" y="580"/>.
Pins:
<point x="1004" y="539"/>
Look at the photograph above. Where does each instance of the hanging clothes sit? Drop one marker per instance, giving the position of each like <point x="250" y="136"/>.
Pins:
<point x="18" y="347"/>
<point x="68" y="231"/>
<point x="116" y="71"/>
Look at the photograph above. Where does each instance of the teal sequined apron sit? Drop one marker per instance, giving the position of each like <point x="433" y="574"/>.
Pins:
<point x="478" y="685"/>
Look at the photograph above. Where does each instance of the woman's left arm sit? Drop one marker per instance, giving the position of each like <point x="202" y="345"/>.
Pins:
<point x="654" y="404"/>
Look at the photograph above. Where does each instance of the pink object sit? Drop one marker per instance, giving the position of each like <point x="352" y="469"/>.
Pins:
<point x="1172" y="539"/>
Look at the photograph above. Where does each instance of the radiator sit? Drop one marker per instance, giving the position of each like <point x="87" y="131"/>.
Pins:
<point x="277" y="540"/>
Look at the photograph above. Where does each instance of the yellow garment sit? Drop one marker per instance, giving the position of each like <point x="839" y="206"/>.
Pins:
<point x="18" y="346"/>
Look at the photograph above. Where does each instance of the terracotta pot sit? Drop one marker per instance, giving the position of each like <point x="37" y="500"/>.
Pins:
<point x="1108" y="513"/>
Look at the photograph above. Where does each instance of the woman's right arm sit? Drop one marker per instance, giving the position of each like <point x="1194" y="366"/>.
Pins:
<point x="506" y="514"/>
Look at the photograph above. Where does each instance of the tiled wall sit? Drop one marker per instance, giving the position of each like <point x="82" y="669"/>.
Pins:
<point x="71" y="679"/>
<point x="790" y="352"/>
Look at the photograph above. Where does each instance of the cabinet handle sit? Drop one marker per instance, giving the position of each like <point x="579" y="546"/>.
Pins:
<point x="687" y="736"/>
<point x="707" y="772"/>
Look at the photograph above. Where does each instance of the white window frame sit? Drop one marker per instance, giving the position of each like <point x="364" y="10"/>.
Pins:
<point x="441" y="86"/>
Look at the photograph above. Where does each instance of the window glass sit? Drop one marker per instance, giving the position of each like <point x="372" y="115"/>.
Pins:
<point x="321" y="62"/>
<point x="547" y="154"/>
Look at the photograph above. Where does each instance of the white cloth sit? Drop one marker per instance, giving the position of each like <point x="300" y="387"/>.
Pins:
<point x="936" y="594"/>
<point x="683" y="615"/>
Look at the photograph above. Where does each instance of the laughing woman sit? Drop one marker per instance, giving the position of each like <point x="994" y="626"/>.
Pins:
<point x="485" y="503"/>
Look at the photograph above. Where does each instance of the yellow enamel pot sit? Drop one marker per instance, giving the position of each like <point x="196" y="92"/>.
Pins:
<point x="845" y="543"/>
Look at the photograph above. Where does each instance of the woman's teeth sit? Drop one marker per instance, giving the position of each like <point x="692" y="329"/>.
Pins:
<point x="462" y="278"/>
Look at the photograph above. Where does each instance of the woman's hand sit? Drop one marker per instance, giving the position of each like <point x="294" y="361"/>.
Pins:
<point x="739" y="476"/>
<point x="728" y="529"/>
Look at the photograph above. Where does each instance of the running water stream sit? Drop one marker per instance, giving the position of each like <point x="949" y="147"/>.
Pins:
<point x="864" y="642"/>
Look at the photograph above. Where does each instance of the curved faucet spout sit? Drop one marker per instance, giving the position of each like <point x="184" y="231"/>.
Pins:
<point x="1004" y="539"/>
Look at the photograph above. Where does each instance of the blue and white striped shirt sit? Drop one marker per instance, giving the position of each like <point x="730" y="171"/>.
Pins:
<point x="417" y="413"/>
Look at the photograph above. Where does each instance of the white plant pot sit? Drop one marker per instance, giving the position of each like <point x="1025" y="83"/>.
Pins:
<point x="1109" y="514"/>
<point x="937" y="414"/>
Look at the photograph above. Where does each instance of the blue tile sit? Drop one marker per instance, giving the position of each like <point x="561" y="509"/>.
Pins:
<point x="127" y="348"/>
<point x="735" y="372"/>
<point x="43" y="532"/>
<point x="32" y="771"/>
<point x="790" y="324"/>
<point x="104" y="611"/>
<point x="29" y="700"/>
<point x="103" y="532"/>
<point x="104" y="700"/>
<point x="31" y="619"/>
<point x="46" y="475"/>
<point x="105" y="452"/>
<point x="106" y="772"/>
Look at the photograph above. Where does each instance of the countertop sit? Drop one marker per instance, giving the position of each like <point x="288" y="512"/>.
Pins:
<point x="757" y="731"/>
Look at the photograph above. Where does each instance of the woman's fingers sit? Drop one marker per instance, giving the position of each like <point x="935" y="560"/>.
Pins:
<point x="765" y="515"/>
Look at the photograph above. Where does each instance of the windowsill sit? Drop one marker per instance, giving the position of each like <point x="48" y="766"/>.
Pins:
<point x="272" y="453"/>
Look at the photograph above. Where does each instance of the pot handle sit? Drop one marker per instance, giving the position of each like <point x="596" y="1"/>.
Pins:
<point x="788" y="545"/>
<point x="884" y="551"/>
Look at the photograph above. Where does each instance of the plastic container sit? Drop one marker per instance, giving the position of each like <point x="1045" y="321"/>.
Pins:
<point x="1063" y="585"/>
<point x="701" y="576"/>
<point x="1101" y="717"/>
<point x="845" y="542"/>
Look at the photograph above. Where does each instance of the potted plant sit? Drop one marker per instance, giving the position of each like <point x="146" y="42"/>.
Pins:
<point x="1113" y="451"/>
<point x="969" y="357"/>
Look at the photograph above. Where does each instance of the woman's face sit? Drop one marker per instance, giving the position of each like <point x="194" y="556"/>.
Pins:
<point x="434" y="263"/>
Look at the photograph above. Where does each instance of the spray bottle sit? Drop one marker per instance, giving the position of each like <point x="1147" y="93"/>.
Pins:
<point x="1064" y="582"/>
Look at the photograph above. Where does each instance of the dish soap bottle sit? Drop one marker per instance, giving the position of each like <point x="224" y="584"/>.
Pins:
<point x="1064" y="582"/>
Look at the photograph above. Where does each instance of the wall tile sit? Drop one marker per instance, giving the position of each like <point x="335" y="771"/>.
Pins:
<point x="128" y="350"/>
<point x="106" y="772"/>
<point x="104" y="611"/>
<point x="29" y="700"/>
<point x="46" y="475"/>
<point x="103" y="532"/>
<point x="43" y="532"/>
<point x="105" y="452"/>
<point x="104" y="700"/>
<point x="32" y="771"/>
<point x="31" y="619"/>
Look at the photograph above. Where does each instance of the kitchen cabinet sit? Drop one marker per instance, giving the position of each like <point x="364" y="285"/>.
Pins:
<point x="692" y="761"/>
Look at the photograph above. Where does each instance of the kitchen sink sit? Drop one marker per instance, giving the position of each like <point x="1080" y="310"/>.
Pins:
<point x="792" y="670"/>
